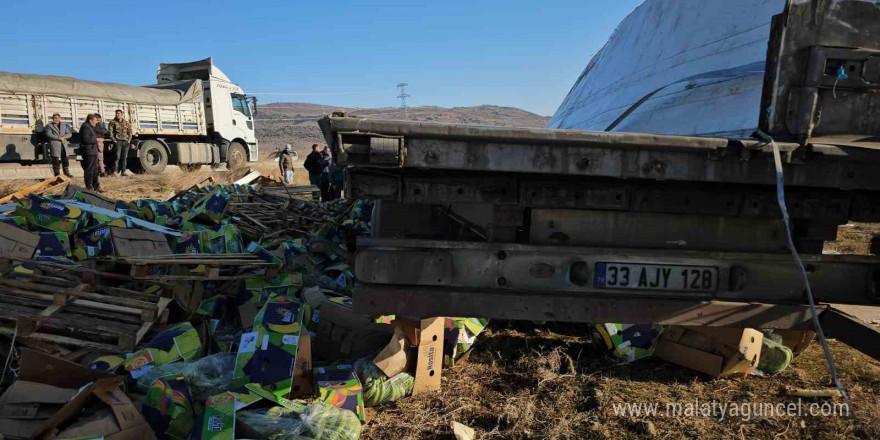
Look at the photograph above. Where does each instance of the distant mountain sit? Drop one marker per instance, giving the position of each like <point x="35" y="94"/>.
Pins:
<point x="294" y="123"/>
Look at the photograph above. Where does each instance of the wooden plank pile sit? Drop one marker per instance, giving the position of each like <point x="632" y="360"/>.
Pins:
<point x="77" y="307"/>
<point x="111" y="302"/>
<point x="271" y="214"/>
<point x="53" y="185"/>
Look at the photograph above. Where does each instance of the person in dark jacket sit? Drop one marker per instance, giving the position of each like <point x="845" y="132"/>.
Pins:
<point x="88" y="147"/>
<point x="59" y="134"/>
<point x="324" y="176"/>
<point x="312" y="164"/>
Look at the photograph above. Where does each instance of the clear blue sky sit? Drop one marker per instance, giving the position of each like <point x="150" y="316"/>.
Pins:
<point x="524" y="54"/>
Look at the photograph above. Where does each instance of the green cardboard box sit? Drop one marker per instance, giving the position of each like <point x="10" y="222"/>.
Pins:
<point x="52" y="215"/>
<point x="277" y="350"/>
<point x="338" y="385"/>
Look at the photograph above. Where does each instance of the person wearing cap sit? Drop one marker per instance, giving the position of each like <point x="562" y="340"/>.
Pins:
<point x="285" y="162"/>
<point x="59" y="134"/>
<point x="120" y="133"/>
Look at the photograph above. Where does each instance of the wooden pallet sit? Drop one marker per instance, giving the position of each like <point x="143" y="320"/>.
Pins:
<point x="65" y="311"/>
<point x="51" y="185"/>
<point x="142" y="268"/>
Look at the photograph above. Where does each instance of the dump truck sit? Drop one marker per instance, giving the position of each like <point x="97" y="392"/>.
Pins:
<point x="683" y="228"/>
<point x="193" y="116"/>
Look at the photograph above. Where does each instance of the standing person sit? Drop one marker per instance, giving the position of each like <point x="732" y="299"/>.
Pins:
<point x="324" y="176"/>
<point x="285" y="162"/>
<point x="100" y="130"/>
<point x="312" y="164"/>
<point x="88" y="148"/>
<point x="120" y="133"/>
<point x="337" y="181"/>
<point x="59" y="134"/>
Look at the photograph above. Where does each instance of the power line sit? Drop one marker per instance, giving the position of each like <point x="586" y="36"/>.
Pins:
<point x="353" y="92"/>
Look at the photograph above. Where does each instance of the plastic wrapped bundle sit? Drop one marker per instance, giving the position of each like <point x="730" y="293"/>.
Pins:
<point x="459" y="335"/>
<point x="274" y="423"/>
<point x="775" y="357"/>
<point x="378" y="388"/>
<point x="206" y="377"/>
<point x="319" y="421"/>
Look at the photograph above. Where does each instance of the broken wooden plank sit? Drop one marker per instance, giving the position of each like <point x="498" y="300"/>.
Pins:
<point x="36" y="189"/>
<point x="64" y="340"/>
<point x="248" y="178"/>
<point x="69" y="268"/>
<point x="146" y="326"/>
<point x="14" y="286"/>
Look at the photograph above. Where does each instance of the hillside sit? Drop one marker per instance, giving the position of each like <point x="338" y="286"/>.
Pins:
<point x="294" y="123"/>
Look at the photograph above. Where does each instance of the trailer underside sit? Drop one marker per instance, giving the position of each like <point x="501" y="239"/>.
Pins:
<point x="557" y="225"/>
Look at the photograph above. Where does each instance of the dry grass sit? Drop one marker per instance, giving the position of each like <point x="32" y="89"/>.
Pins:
<point x="853" y="239"/>
<point x="523" y="382"/>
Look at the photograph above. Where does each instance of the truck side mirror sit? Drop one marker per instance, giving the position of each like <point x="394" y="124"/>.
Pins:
<point x="253" y="100"/>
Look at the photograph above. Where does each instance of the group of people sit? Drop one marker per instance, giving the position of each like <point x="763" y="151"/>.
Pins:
<point x="323" y="172"/>
<point x="92" y="134"/>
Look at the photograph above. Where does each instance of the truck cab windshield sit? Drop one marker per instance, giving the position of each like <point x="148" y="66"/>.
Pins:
<point x="240" y="104"/>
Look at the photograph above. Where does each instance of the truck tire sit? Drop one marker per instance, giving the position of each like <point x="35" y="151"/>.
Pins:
<point x="152" y="157"/>
<point x="191" y="167"/>
<point x="236" y="156"/>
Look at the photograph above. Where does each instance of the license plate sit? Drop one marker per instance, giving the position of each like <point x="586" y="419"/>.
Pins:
<point x="656" y="277"/>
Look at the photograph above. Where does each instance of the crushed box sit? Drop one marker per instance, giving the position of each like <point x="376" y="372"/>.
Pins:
<point x="716" y="351"/>
<point x="17" y="242"/>
<point x="106" y="240"/>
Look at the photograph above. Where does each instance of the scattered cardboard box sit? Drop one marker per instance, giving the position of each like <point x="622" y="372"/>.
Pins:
<point x="106" y="240"/>
<point x="138" y="243"/>
<point x="424" y="338"/>
<point x="50" y="391"/>
<point x="16" y="242"/>
<point x="126" y="423"/>
<point x="715" y="351"/>
<point x="796" y="340"/>
<point x="338" y="385"/>
<point x="344" y="333"/>
<point x="92" y="198"/>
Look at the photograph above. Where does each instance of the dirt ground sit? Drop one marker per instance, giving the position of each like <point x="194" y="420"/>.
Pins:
<point x="550" y="382"/>
<point x="524" y="381"/>
<point x="165" y="185"/>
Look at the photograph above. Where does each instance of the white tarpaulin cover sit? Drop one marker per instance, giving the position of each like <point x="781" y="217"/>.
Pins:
<point x="682" y="67"/>
<point x="168" y="94"/>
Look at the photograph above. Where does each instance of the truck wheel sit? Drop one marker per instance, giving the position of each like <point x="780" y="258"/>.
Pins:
<point x="152" y="157"/>
<point x="236" y="156"/>
<point x="191" y="167"/>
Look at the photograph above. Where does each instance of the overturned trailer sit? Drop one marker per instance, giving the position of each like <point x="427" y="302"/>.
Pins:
<point x="549" y="224"/>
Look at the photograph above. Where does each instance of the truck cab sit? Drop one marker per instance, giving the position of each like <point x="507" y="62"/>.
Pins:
<point x="229" y="112"/>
